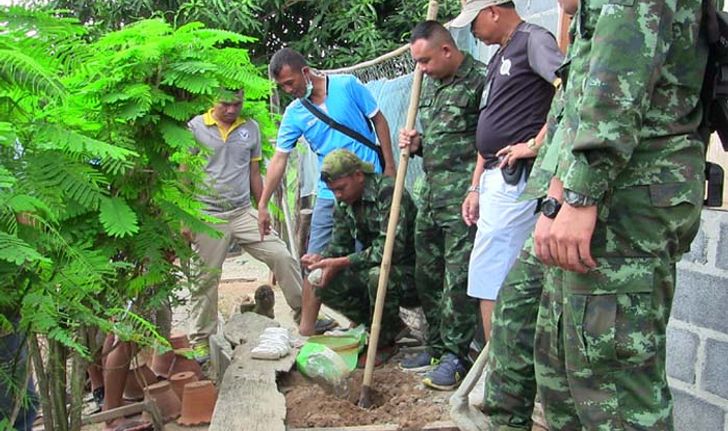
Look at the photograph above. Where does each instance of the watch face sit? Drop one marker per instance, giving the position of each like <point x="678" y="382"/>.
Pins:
<point x="550" y="207"/>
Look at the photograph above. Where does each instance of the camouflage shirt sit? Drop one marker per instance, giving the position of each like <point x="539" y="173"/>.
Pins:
<point x="449" y="115"/>
<point x="638" y="107"/>
<point x="367" y="221"/>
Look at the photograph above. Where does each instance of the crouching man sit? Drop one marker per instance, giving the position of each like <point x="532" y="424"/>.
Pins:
<point x="350" y="263"/>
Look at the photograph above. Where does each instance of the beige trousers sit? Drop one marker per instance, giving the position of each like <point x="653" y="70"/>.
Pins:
<point x="241" y="226"/>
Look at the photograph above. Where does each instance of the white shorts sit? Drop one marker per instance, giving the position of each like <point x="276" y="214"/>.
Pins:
<point x="504" y="224"/>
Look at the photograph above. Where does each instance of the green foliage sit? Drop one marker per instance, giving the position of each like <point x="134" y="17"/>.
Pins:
<point x="333" y="33"/>
<point x="117" y="218"/>
<point x="92" y="197"/>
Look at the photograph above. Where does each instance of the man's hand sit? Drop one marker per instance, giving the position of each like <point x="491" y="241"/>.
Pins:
<point x="541" y="240"/>
<point x="511" y="153"/>
<point x="471" y="208"/>
<point x="331" y="267"/>
<point x="309" y="259"/>
<point x="570" y="238"/>
<point x="264" y="226"/>
<point x="409" y="138"/>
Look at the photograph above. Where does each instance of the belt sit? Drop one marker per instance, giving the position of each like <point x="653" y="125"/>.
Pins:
<point x="491" y="161"/>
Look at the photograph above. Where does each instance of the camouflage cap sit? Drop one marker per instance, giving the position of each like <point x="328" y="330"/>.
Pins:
<point x="230" y="95"/>
<point x="340" y="163"/>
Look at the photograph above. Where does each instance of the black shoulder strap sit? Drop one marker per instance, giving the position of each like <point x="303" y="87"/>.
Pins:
<point x="343" y="129"/>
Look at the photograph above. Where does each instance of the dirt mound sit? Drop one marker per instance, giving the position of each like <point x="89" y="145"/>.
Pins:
<point x="399" y="398"/>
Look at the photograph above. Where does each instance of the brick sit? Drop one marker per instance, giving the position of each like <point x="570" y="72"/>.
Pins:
<point x="682" y="347"/>
<point x="692" y="413"/>
<point x="721" y="260"/>
<point x="698" y="249"/>
<point x="715" y="374"/>
<point x="700" y="299"/>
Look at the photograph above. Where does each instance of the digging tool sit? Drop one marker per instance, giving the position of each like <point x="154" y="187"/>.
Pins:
<point x="466" y="416"/>
<point x="365" y="395"/>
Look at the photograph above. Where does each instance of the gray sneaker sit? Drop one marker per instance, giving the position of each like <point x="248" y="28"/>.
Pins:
<point x="419" y="362"/>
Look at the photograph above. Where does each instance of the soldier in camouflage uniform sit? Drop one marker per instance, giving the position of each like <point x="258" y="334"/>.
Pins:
<point x="510" y="385"/>
<point x="449" y="114"/>
<point x="350" y="277"/>
<point x="630" y="180"/>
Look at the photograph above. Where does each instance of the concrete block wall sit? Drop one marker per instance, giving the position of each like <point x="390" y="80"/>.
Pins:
<point x="697" y="336"/>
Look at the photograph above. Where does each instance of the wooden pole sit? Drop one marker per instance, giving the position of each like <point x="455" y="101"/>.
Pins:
<point x="365" y="395"/>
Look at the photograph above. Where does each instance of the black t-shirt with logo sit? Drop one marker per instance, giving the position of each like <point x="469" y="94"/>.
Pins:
<point x="520" y="86"/>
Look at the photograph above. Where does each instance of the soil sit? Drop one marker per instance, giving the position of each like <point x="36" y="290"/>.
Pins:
<point x="398" y="397"/>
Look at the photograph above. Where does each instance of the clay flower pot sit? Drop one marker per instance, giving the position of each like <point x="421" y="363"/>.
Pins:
<point x="137" y="379"/>
<point x="179" y="340"/>
<point x="166" y="400"/>
<point x="199" y="403"/>
<point x="179" y="380"/>
<point x="162" y="363"/>
<point x="182" y="364"/>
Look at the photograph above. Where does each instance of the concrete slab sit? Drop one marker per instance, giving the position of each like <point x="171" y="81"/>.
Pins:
<point x="248" y="397"/>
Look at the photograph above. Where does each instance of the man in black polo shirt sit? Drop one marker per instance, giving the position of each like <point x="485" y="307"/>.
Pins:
<point x="520" y="83"/>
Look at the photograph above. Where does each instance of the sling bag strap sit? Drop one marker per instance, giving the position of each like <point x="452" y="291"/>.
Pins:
<point x="343" y="129"/>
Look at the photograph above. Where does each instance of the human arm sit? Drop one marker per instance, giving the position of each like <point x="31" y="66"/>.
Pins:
<point x="256" y="180"/>
<point x="622" y="70"/>
<point x="274" y="174"/>
<point x="410" y="138"/>
<point x="330" y="267"/>
<point x="566" y="240"/>
<point x="471" y="204"/>
<point x="609" y="118"/>
<point x="334" y="257"/>
<point x="385" y="142"/>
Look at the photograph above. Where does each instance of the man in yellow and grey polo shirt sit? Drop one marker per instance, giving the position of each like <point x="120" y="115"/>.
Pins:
<point x="232" y="174"/>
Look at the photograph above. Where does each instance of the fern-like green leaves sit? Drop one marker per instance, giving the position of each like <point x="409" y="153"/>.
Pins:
<point x="117" y="218"/>
<point x="17" y="251"/>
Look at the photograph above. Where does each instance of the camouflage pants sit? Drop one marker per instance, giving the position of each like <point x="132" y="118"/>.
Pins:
<point x="443" y="243"/>
<point x="600" y="337"/>
<point x="510" y="386"/>
<point x="353" y="293"/>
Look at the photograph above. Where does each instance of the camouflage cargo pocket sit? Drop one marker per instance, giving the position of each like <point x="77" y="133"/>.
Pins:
<point x="608" y="315"/>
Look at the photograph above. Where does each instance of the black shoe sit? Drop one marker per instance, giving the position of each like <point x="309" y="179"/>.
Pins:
<point x="323" y="325"/>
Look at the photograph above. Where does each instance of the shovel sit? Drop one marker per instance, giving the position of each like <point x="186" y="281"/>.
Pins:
<point x="466" y="416"/>
<point x="365" y="395"/>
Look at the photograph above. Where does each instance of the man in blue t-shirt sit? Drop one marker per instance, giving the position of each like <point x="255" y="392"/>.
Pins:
<point x="345" y="100"/>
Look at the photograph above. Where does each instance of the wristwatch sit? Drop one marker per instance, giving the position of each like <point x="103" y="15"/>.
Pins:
<point x="577" y="199"/>
<point x="474" y="189"/>
<point x="550" y="207"/>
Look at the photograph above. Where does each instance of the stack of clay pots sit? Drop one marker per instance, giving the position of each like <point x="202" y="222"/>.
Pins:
<point x="165" y="398"/>
<point x="198" y="403"/>
<point x="139" y="377"/>
<point x="176" y="360"/>
<point x="183" y="395"/>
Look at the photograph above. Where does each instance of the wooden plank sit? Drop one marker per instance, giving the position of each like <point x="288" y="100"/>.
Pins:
<point x="128" y="410"/>
<point x="248" y="398"/>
